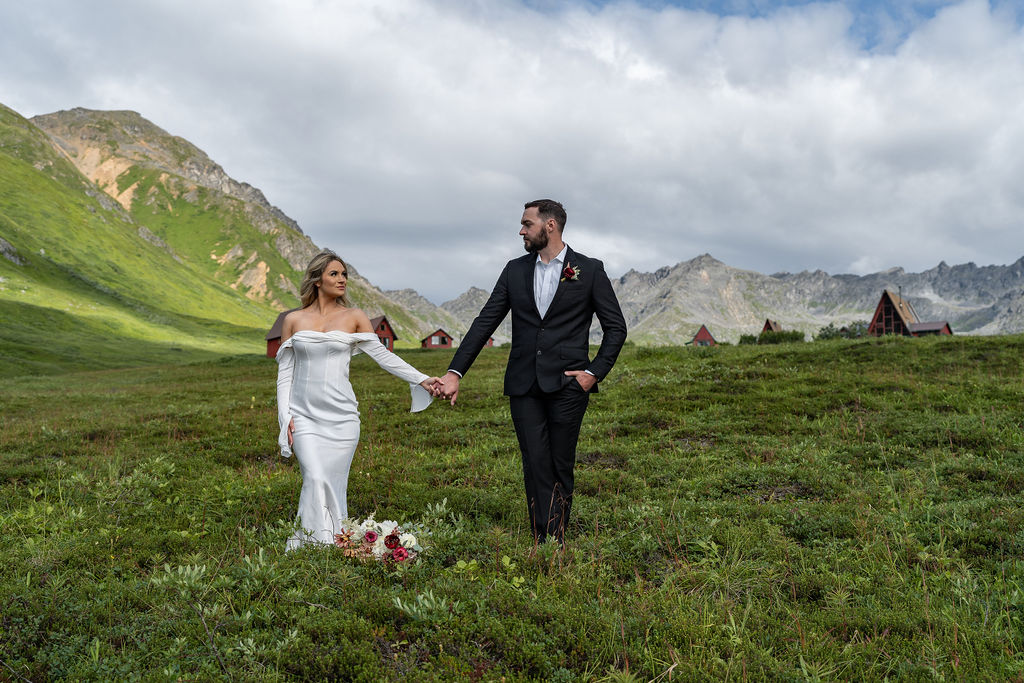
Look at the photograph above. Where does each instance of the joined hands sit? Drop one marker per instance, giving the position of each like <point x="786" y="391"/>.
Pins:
<point x="447" y="387"/>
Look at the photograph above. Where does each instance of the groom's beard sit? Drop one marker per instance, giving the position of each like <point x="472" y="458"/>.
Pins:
<point x="536" y="244"/>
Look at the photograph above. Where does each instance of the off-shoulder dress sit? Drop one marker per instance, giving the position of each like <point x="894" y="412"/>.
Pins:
<point x="314" y="390"/>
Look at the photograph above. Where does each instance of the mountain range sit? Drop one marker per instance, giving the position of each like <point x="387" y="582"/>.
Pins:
<point x="670" y="304"/>
<point x="122" y="236"/>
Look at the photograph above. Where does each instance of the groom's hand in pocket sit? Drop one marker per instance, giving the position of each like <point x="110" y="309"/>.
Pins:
<point x="586" y="380"/>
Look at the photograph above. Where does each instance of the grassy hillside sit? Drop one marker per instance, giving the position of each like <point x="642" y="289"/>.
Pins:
<point x="215" y="224"/>
<point x="211" y="232"/>
<point x="78" y="269"/>
<point x="847" y="510"/>
<point x="212" y="223"/>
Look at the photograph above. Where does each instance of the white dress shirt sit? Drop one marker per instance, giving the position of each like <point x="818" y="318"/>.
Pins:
<point x="546" y="277"/>
<point x="545" y="280"/>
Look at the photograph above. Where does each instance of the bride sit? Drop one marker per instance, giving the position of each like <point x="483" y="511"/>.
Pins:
<point x="317" y="410"/>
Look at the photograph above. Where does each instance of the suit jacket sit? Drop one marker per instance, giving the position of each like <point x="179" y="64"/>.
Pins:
<point x="544" y="348"/>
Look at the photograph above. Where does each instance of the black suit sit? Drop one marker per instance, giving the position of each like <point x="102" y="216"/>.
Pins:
<point x="547" y="405"/>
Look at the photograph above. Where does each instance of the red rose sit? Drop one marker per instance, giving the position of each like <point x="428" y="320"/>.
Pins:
<point x="400" y="554"/>
<point x="370" y="537"/>
<point x="391" y="541"/>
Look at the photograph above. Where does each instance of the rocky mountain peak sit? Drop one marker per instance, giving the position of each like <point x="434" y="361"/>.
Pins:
<point x="167" y="185"/>
<point x="105" y="143"/>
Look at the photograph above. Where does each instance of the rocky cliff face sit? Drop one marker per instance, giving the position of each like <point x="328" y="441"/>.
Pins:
<point x="183" y="198"/>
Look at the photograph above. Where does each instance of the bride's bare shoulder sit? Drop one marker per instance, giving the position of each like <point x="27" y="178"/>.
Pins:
<point x="293" y="322"/>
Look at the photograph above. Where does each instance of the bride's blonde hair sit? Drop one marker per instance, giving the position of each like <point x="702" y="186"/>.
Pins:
<point x="314" y="273"/>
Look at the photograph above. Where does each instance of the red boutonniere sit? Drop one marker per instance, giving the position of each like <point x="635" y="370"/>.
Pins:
<point x="570" y="272"/>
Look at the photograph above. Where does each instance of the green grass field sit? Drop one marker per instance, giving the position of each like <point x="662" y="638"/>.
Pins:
<point x="823" y="511"/>
<point x="77" y="273"/>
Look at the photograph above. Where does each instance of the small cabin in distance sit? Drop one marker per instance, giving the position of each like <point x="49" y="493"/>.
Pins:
<point x="771" y="326"/>
<point x="382" y="328"/>
<point x="895" y="315"/>
<point x="438" y="339"/>
<point x="702" y="338"/>
<point x="274" y="336"/>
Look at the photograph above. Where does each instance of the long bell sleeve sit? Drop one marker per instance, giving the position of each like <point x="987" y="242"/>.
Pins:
<point x="285" y="368"/>
<point x="371" y="346"/>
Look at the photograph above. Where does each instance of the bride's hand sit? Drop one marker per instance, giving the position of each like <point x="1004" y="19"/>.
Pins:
<point x="430" y="384"/>
<point x="291" y="428"/>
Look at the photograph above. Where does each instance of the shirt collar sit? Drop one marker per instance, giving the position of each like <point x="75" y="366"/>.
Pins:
<point x="560" y="258"/>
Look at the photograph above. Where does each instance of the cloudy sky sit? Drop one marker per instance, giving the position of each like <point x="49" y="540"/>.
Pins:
<point x="406" y="134"/>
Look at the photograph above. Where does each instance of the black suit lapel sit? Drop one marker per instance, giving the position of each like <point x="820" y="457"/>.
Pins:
<point x="530" y="264"/>
<point x="570" y="259"/>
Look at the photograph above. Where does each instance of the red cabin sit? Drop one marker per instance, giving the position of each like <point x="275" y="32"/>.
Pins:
<point x="438" y="339"/>
<point x="274" y="336"/>
<point x="895" y="315"/>
<point x="771" y="326"/>
<point x="384" y="332"/>
<point x="702" y="338"/>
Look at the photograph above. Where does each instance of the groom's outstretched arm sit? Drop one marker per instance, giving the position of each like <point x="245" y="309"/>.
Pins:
<point x="484" y="325"/>
<point x="613" y="324"/>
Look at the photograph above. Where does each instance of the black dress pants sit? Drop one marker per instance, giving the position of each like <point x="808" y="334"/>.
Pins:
<point x="548" y="427"/>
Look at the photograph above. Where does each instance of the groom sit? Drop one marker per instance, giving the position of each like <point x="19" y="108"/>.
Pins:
<point x="553" y="293"/>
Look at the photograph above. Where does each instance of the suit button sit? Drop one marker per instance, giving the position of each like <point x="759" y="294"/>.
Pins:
<point x="539" y="352"/>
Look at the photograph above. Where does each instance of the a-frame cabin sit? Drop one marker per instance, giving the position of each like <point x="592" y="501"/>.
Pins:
<point x="702" y="338"/>
<point x="895" y="315"/>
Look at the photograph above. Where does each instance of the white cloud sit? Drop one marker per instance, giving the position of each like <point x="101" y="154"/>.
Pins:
<point x="410" y="132"/>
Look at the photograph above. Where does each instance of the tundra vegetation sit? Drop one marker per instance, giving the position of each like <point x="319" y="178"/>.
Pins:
<point x="847" y="509"/>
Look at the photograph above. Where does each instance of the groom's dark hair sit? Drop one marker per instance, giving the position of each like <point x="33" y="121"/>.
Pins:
<point x="548" y="208"/>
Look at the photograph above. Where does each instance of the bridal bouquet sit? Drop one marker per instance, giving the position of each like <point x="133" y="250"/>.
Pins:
<point x="372" y="540"/>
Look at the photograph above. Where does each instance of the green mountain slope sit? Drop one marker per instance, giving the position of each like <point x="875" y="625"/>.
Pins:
<point x="121" y="244"/>
<point x="213" y="223"/>
<point x="209" y="221"/>
<point x="84" y="285"/>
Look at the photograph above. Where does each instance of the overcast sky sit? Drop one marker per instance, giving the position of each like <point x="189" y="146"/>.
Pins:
<point x="406" y="134"/>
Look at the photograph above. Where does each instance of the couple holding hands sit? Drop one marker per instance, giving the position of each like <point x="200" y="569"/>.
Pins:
<point x="553" y="294"/>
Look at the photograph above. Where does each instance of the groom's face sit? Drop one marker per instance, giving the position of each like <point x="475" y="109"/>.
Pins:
<point x="534" y="231"/>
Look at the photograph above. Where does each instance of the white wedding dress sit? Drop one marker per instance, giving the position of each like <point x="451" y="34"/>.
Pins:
<point x="313" y="389"/>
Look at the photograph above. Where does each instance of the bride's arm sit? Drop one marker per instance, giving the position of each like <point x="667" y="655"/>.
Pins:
<point x="419" y="383"/>
<point x="285" y="366"/>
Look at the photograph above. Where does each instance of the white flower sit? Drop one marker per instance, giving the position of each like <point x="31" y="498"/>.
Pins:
<point x="379" y="548"/>
<point x="407" y="540"/>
